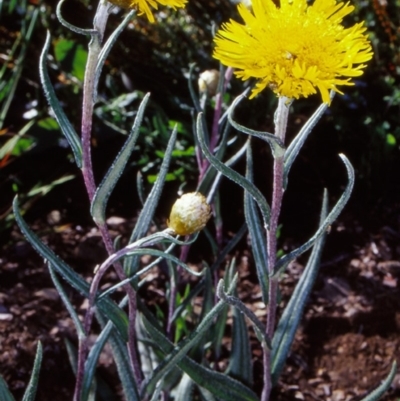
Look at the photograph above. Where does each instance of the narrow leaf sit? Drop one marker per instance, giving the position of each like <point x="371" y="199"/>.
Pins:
<point x="124" y="368"/>
<point x="72" y="354"/>
<point x="91" y="361"/>
<point x="297" y="143"/>
<point x="257" y="232"/>
<point x="67" y="302"/>
<point x="240" y="360"/>
<point x="277" y="147"/>
<point x="379" y="391"/>
<point x="184" y="391"/>
<point x="293" y="312"/>
<point x="105" y="51"/>
<point x="206" y="395"/>
<point x="30" y="392"/>
<point x="108" y="307"/>
<point x="193" y="94"/>
<point x="232" y="174"/>
<point x="285" y="260"/>
<point x="5" y="394"/>
<point x="151" y="252"/>
<point x="182" y="349"/>
<point x="212" y="191"/>
<point x="224" y="387"/>
<point x="94" y="354"/>
<point x="146" y="215"/>
<point x="65" y="125"/>
<point x="103" y="192"/>
<point x="228" y="247"/>
<point x="209" y="177"/>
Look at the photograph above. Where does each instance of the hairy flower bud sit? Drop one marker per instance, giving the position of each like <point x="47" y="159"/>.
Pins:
<point x="208" y="82"/>
<point x="189" y="214"/>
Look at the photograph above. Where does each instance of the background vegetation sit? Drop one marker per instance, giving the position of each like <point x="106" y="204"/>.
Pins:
<point x="363" y="123"/>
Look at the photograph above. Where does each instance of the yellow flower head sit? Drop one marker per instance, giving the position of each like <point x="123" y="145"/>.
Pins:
<point x="144" y="5"/>
<point x="294" y="48"/>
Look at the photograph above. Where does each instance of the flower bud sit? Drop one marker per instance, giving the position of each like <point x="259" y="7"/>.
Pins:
<point x="208" y="82"/>
<point x="189" y="214"/>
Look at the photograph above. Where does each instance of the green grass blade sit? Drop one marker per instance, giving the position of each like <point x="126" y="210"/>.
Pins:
<point x="103" y="192"/>
<point x="379" y="391"/>
<point x="66" y="127"/>
<point x="5" y="394"/>
<point x="257" y="232"/>
<point x="285" y="260"/>
<point x="293" y="312"/>
<point x="232" y="174"/>
<point x="30" y="392"/>
<point x="146" y="215"/>
<point x="108" y="307"/>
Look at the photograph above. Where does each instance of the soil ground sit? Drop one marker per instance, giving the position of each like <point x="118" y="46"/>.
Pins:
<point x="349" y="337"/>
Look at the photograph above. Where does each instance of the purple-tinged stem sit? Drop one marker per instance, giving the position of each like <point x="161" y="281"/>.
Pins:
<point x="89" y="91"/>
<point x="100" y="22"/>
<point x="87" y="168"/>
<point x="94" y="286"/>
<point x="215" y="134"/>
<point x="277" y="196"/>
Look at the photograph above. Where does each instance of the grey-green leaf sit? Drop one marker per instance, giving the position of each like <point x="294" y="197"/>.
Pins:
<point x="180" y="351"/>
<point x="124" y="369"/>
<point x="91" y="361"/>
<point x="146" y="215"/>
<point x="103" y="192"/>
<point x="285" y="260"/>
<point x="379" y="391"/>
<point x="184" y="390"/>
<point x="108" y="307"/>
<point x="277" y="147"/>
<point x="109" y="45"/>
<point x="67" y="303"/>
<point x="224" y="387"/>
<point x="30" y="392"/>
<point x="293" y="312"/>
<point x="232" y="174"/>
<point x="5" y="394"/>
<point x="66" y="127"/>
<point x="240" y="360"/>
<point x="257" y="232"/>
<point x="295" y="146"/>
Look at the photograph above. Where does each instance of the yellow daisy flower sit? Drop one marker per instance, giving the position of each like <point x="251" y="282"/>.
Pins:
<point x="144" y="5"/>
<point x="294" y="48"/>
